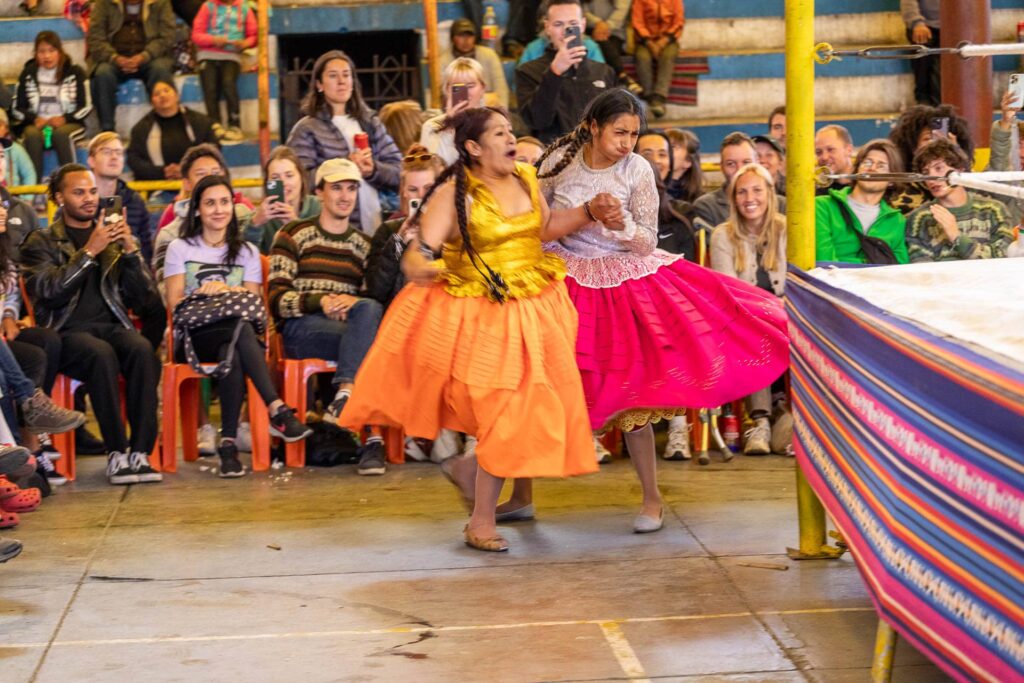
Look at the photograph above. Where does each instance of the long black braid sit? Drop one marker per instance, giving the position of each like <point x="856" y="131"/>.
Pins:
<point x="573" y="141"/>
<point x="468" y="125"/>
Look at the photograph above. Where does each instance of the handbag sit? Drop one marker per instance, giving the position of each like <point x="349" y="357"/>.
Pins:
<point x="876" y="250"/>
<point x="199" y="310"/>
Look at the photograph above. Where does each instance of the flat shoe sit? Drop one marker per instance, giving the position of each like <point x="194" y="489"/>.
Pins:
<point x="646" y="525"/>
<point x="446" y="469"/>
<point x="492" y="544"/>
<point x="523" y="514"/>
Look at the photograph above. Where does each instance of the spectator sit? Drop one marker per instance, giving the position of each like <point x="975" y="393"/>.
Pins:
<point x="554" y="89"/>
<point x="51" y="102"/>
<point x="335" y="115"/>
<point x="21" y="217"/>
<point x="675" y="229"/>
<point x="384" y="276"/>
<point x="83" y="273"/>
<point x="221" y="31"/>
<point x="655" y="146"/>
<point x="712" y="208"/>
<point x="539" y="45"/>
<point x="317" y="269"/>
<point x="403" y="121"/>
<point x="160" y="139"/>
<point x="469" y="75"/>
<point x="528" y="150"/>
<point x="1007" y="150"/>
<point x="913" y="130"/>
<point x="199" y="161"/>
<point x="607" y="20"/>
<point x="18" y="167"/>
<point x="956" y="223"/>
<point x="772" y="155"/>
<point x="921" y="17"/>
<point x="128" y="39"/>
<point x="843" y="215"/>
<point x="658" y="25"/>
<point x="777" y="124"/>
<point x="106" y="161"/>
<point x="833" y="147"/>
<point x="751" y="246"/>
<point x="212" y="258"/>
<point x="687" y="178"/>
<point x="271" y="215"/>
<point x="463" y="35"/>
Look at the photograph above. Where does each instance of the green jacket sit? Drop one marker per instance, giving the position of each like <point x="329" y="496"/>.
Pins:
<point x="262" y="236"/>
<point x="836" y="242"/>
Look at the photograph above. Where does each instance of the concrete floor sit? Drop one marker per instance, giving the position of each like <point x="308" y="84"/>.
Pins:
<point x="321" y="575"/>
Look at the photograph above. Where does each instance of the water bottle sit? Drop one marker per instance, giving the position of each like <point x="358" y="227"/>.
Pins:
<point x="1020" y="39"/>
<point x="730" y="428"/>
<point x="489" y="31"/>
<point x="48" y="137"/>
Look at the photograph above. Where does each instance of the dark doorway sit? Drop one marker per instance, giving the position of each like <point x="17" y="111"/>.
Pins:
<point x="387" y="65"/>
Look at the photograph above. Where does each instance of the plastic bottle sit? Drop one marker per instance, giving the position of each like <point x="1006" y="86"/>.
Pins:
<point x="489" y="31"/>
<point x="47" y="137"/>
<point x="730" y="429"/>
<point x="1020" y="39"/>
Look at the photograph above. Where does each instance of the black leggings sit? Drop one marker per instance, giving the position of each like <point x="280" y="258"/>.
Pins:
<point x="211" y="345"/>
<point x="220" y="76"/>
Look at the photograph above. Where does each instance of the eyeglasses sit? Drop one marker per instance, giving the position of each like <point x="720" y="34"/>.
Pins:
<point x="110" y="152"/>
<point x="410" y="158"/>
<point x="870" y="164"/>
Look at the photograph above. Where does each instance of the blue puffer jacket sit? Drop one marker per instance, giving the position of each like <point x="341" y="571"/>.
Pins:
<point x="315" y="139"/>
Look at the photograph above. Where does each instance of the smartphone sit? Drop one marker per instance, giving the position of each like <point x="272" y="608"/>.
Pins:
<point x="460" y="93"/>
<point x="940" y="127"/>
<point x="362" y="141"/>
<point x="112" y="205"/>
<point x="275" y="190"/>
<point x="573" y="37"/>
<point x="414" y="207"/>
<point x="1017" y="88"/>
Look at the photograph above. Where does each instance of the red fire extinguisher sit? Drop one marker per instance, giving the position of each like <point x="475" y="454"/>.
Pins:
<point x="730" y="429"/>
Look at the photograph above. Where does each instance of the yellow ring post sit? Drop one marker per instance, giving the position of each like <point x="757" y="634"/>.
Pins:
<point x="885" y="653"/>
<point x="263" y="77"/>
<point x="433" y="54"/>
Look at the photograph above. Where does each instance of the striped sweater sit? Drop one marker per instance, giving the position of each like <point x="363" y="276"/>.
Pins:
<point x="307" y="263"/>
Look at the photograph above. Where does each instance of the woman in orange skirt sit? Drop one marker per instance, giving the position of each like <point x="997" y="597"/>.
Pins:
<point x="484" y="341"/>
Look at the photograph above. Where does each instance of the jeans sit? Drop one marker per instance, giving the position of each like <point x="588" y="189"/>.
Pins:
<point x="927" y="75"/>
<point x="106" y="77"/>
<point x="343" y="341"/>
<point x="63" y="143"/>
<point x="666" y="65"/>
<point x="13" y="380"/>
<point x="220" y="76"/>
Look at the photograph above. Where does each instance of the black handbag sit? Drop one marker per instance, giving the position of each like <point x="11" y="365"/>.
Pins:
<point x="199" y="310"/>
<point x="876" y="250"/>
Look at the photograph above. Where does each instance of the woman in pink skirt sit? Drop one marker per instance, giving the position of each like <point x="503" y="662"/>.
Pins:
<point x="657" y="333"/>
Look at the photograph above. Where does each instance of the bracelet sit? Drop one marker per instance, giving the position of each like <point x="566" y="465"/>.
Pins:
<point x="88" y="254"/>
<point x="590" y="214"/>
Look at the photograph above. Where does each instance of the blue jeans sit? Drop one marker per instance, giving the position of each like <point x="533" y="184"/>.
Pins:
<point x="343" y="341"/>
<point x="13" y="380"/>
<point x="106" y="77"/>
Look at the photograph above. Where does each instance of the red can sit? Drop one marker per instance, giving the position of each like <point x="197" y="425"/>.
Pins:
<point x="730" y="429"/>
<point x="362" y="141"/>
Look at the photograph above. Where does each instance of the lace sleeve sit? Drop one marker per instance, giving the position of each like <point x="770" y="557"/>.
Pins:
<point x="547" y="185"/>
<point x="641" y="233"/>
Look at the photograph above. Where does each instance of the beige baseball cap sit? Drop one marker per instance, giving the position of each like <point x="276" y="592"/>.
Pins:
<point x="334" y="170"/>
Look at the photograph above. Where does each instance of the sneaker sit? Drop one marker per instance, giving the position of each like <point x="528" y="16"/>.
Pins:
<point x="678" y="446"/>
<point x="658" y="106"/>
<point x="119" y="470"/>
<point x="232" y="136"/>
<point x="447" y="444"/>
<point x="207" y="440"/>
<point x="782" y="434"/>
<point x="417" y="449"/>
<point x="41" y="414"/>
<point x="631" y="84"/>
<point x="45" y="467"/>
<point x="286" y="426"/>
<point x="243" y="440"/>
<point x="142" y="469"/>
<point x="371" y="459"/>
<point x="219" y="131"/>
<point x="337" y="405"/>
<point x="604" y="456"/>
<point x="46" y="445"/>
<point x="757" y="439"/>
<point x="230" y="465"/>
<point x="13" y="458"/>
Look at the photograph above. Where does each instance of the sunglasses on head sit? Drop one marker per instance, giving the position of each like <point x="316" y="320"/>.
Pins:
<point x="425" y="156"/>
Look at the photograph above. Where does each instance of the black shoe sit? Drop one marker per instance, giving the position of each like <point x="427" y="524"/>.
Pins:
<point x="371" y="459"/>
<point x="230" y="465"/>
<point x="286" y="426"/>
<point x="87" y="444"/>
<point x="119" y="470"/>
<point x="141" y="467"/>
<point x="9" y="549"/>
<point x="337" y="405"/>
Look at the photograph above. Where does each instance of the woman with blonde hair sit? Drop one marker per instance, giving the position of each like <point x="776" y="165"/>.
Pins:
<point x="403" y="121"/>
<point x="463" y="87"/>
<point x="751" y="246"/>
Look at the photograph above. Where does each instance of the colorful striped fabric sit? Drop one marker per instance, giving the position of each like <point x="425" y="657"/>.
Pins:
<point x="915" y="445"/>
<point x="683" y="90"/>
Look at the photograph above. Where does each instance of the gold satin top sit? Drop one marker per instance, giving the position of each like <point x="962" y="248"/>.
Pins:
<point x="510" y="245"/>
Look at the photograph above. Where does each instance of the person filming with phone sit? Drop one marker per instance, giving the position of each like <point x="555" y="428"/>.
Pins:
<point x="285" y="199"/>
<point x="463" y="86"/>
<point x="554" y="89"/>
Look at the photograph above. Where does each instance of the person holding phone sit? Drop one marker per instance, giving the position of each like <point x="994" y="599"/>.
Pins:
<point x="658" y="26"/>
<point x="286" y="198"/>
<point x="913" y="130"/>
<point x="463" y="87"/>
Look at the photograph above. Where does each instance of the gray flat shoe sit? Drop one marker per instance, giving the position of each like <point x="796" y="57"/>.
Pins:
<point x="646" y="525"/>
<point x="522" y="514"/>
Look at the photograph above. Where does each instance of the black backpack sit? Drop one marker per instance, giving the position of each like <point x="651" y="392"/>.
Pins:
<point x="876" y="250"/>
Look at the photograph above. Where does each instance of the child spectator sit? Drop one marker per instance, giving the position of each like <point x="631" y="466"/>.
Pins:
<point x="221" y="31"/>
<point x="18" y="168"/>
<point x="658" y="25"/>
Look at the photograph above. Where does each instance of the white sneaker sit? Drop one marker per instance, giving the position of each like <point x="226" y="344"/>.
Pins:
<point x="119" y="470"/>
<point x="604" y="456"/>
<point x="232" y="136"/>
<point x="678" y="445"/>
<point x="447" y="444"/>
<point x="243" y="440"/>
<point x="757" y="439"/>
<point x="413" y="450"/>
<point x="208" y="440"/>
<point x="782" y="434"/>
<point x="470" y="449"/>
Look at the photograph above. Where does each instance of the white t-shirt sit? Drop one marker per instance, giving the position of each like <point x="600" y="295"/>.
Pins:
<point x="865" y="213"/>
<point x="49" y="94"/>
<point x="369" y="200"/>
<point x="201" y="263"/>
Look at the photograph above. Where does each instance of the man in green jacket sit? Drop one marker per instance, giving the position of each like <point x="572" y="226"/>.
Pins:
<point x="840" y="213"/>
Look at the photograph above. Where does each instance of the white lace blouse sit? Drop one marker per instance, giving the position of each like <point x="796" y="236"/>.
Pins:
<point x="594" y="255"/>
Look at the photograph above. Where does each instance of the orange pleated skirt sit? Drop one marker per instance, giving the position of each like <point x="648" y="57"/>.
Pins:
<point x="505" y="373"/>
